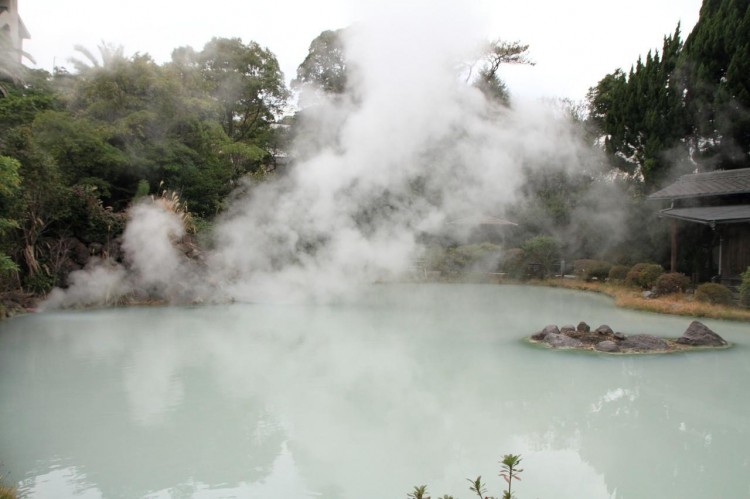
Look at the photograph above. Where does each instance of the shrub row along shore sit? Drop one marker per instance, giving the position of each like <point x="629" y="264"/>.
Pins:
<point x="679" y="303"/>
<point x="624" y="296"/>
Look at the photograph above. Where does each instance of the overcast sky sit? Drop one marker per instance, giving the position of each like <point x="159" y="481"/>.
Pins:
<point x="574" y="42"/>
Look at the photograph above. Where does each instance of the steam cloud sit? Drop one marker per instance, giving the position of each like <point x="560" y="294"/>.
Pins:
<point x="415" y="149"/>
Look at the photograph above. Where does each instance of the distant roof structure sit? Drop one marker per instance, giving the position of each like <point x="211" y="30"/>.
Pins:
<point x="711" y="215"/>
<point x="718" y="183"/>
<point x="475" y="220"/>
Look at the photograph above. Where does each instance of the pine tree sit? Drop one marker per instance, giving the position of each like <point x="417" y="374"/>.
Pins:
<point x="641" y="114"/>
<point x="714" y="70"/>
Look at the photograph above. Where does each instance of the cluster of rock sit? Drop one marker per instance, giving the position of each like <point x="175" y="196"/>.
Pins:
<point x="604" y="339"/>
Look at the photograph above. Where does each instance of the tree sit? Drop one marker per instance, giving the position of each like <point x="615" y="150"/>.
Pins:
<point x="494" y="55"/>
<point x="138" y="123"/>
<point x="326" y="66"/>
<point x="40" y="202"/>
<point x="10" y="181"/>
<point x="247" y="85"/>
<point x="108" y="53"/>
<point x="715" y="76"/>
<point x="641" y="115"/>
<point x="80" y="149"/>
<point x="542" y="250"/>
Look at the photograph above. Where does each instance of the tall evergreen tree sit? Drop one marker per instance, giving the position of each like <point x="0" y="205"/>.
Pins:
<point x="641" y="115"/>
<point x="715" y="75"/>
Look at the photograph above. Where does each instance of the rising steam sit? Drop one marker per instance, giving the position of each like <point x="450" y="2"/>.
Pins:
<point x="418" y="147"/>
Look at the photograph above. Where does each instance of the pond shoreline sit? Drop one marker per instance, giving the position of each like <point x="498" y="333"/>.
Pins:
<point x="678" y="304"/>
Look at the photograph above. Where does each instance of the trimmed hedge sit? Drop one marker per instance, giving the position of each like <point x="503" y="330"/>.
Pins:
<point x="644" y="275"/>
<point x="618" y="273"/>
<point x="589" y="270"/>
<point x="671" y="282"/>
<point x="711" y="292"/>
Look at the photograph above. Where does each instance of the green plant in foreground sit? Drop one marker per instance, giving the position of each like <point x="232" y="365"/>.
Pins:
<point x="419" y="492"/>
<point x="478" y="487"/>
<point x="509" y="471"/>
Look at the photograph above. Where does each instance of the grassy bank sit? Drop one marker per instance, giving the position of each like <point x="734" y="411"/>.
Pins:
<point x="675" y="304"/>
<point x="7" y="492"/>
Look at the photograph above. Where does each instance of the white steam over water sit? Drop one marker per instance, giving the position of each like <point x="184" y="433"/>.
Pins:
<point x="413" y="149"/>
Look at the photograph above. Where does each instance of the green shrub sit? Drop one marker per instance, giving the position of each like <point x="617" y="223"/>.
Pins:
<point x="513" y="263"/>
<point x="644" y="275"/>
<point x="39" y="283"/>
<point x="711" y="292"/>
<point x="543" y="251"/>
<point x="671" y="282"/>
<point x="483" y="257"/>
<point x="745" y="288"/>
<point x="618" y="273"/>
<point x="589" y="270"/>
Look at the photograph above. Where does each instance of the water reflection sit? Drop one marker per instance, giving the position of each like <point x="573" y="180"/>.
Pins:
<point x="364" y="399"/>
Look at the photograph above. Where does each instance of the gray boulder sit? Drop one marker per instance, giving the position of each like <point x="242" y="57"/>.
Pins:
<point x="604" y="329"/>
<point x="567" y="329"/>
<point x="699" y="335"/>
<point x="562" y="341"/>
<point x="645" y="342"/>
<point x="619" y="336"/>
<point x="607" y="346"/>
<point x="538" y="336"/>
<point x="583" y="327"/>
<point x="551" y="329"/>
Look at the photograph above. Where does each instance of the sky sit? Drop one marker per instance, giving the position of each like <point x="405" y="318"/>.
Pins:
<point x="574" y="43"/>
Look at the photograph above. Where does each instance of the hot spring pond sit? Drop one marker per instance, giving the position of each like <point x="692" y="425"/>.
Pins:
<point x="403" y="385"/>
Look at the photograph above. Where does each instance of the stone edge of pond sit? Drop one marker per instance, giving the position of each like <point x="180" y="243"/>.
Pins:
<point x="697" y="337"/>
<point x="673" y="348"/>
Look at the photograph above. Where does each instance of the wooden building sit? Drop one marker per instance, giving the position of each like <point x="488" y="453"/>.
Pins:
<point x="719" y="200"/>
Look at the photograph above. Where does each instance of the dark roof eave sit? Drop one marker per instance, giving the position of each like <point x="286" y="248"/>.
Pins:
<point x="654" y="197"/>
<point x="705" y="221"/>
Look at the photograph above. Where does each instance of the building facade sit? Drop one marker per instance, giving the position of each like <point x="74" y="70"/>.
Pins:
<point x="12" y="28"/>
<point x="719" y="201"/>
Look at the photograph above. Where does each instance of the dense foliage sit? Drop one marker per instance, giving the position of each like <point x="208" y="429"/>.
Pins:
<point x="77" y="148"/>
<point x="684" y="106"/>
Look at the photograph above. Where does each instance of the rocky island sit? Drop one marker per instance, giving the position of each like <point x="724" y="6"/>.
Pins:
<point x="604" y="339"/>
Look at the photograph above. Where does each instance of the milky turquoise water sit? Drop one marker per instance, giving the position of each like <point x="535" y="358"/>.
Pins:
<point x="403" y="385"/>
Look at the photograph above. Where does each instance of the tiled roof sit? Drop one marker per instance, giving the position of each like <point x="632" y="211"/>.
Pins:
<point x="707" y="184"/>
<point x="711" y="214"/>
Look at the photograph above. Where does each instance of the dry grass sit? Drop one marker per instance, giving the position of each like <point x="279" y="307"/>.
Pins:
<point x="675" y="304"/>
<point x="7" y="492"/>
